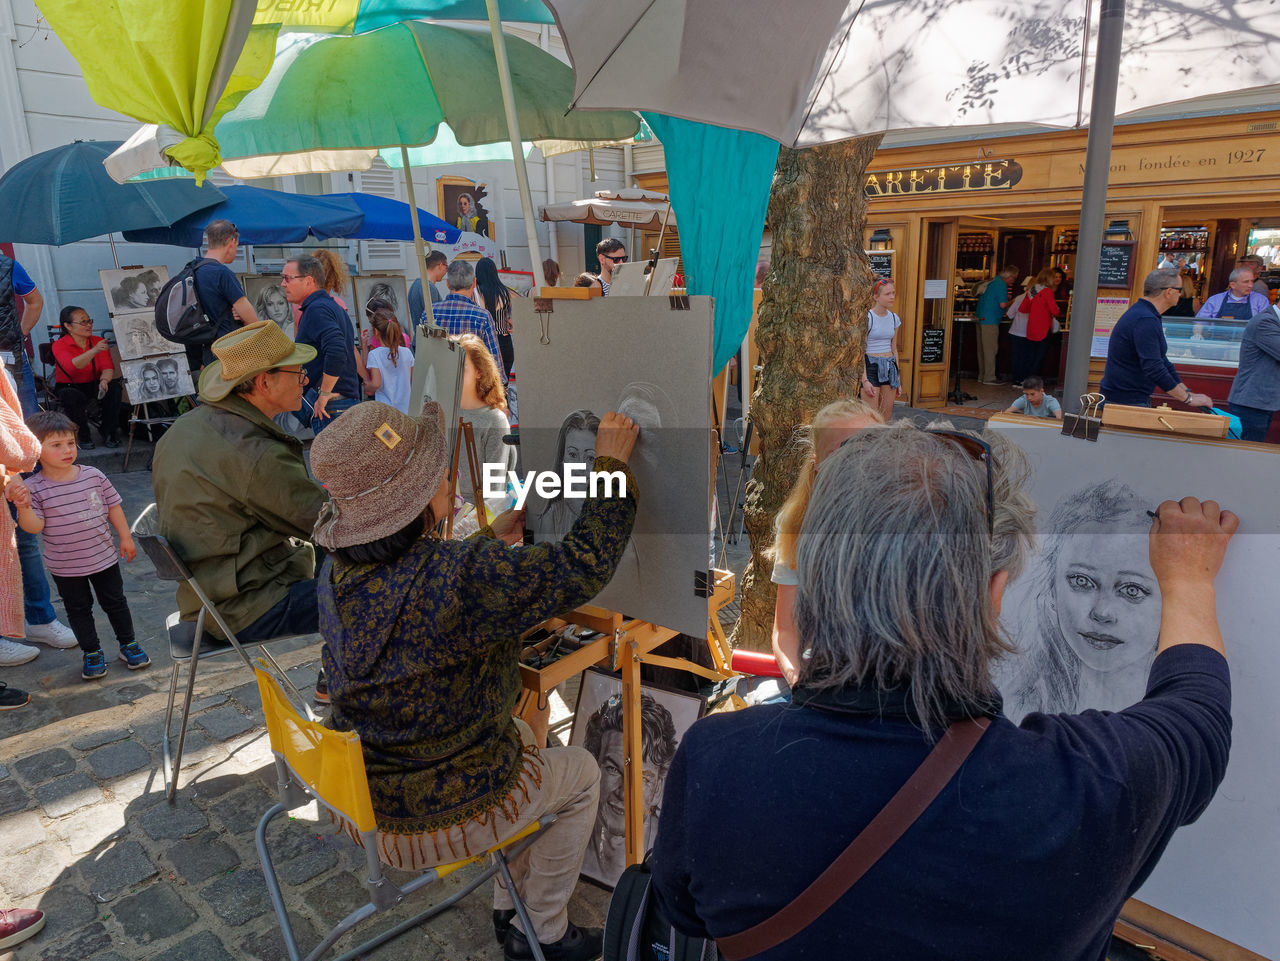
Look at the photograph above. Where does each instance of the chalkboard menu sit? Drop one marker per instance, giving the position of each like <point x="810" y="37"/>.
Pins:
<point x="1115" y="267"/>
<point x="933" y="345"/>
<point x="881" y="262"/>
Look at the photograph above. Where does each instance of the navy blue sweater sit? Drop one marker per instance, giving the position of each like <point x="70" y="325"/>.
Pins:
<point x="1029" y="852"/>
<point x="327" y="328"/>
<point x="1137" y="357"/>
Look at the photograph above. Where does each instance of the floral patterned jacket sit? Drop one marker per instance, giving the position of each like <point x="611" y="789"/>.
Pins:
<point x="422" y="658"/>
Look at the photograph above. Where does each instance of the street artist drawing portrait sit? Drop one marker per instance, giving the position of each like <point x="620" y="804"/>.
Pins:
<point x="598" y="727"/>
<point x="1090" y="635"/>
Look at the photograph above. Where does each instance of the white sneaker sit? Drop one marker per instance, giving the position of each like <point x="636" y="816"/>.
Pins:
<point x="12" y="653"/>
<point x="54" y="634"/>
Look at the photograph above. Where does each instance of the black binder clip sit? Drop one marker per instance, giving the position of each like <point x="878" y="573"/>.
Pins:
<point x="1085" y="424"/>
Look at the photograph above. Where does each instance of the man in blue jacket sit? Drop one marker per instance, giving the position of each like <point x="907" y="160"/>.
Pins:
<point x="1255" y="392"/>
<point x="326" y="327"/>
<point x="1137" y="353"/>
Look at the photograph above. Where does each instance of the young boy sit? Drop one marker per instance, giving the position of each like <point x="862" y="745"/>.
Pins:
<point x="1034" y="402"/>
<point x="75" y="508"/>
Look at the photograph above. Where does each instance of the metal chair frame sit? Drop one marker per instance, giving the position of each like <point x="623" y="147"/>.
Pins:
<point x="170" y="567"/>
<point x="295" y="791"/>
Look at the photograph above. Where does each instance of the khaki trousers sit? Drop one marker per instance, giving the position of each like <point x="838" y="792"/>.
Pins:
<point x="988" y="339"/>
<point x="564" y="781"/>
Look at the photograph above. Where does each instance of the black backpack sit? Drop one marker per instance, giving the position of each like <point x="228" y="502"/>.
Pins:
<point x="635" y="929"/>
<point x="180" y="317"/>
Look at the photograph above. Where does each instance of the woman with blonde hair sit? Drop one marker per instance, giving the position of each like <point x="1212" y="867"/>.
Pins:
<point x="484" y="406"/>
<point x="336" y="277"/>
<point x="830" y="427"/>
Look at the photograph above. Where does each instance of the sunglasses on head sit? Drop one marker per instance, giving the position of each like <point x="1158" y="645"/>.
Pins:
<point x="882" y="282"/>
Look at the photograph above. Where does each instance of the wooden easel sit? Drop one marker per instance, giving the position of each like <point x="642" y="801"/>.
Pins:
<point x="464" y="435"/>
<point x="623" y="646"/>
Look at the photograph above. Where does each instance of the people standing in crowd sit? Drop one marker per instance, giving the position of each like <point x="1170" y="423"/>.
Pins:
<point x="484" y="406"/>
<point x="421" y="638"/>
<point x="1256" y="264"/>
<point x="386" y="370"/>
<point x="1034" y="402"/>
<point x="992" y="303"/>
<point x="1239" y="301"/>
<point x="1041" y="307"/>
<point x="1018" y="331"/>
<point x="1255" y="392"/>
<point x="609" y="252"/>
<point x="460" y="314"/>
<point x="218" y="290"/>
<point x="907" y="548"/>
<point x="492" y="294"/>
<point x="881" y="383"/>
<point x="830" y="427"/>
<point x="1138" y="353"/>
<point x="84" y="375"/>
<point x="337" y="281"/>
<point x="1189" y="300"/>
<point x="335" y="385"/>
<point x="75" y="508"/>
<point x="437" y="264"/>
<point x="42" y="624"/>
<point x="233" y="493"/>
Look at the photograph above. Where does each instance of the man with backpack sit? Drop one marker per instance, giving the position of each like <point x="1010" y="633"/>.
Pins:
<point x="221" y="297"/>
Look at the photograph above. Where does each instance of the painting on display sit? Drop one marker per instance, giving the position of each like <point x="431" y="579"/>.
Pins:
<point x="517" y="281"/>
<point x="391" y="288"/>
<point x="1085" y="614"/>
<point x="136" y="336"/>
<point x="133" y="288"/>
<point x="463" y="204"/>
<point x="597" y="726"/>
<point x="150" y="379"/>
<point x="637" y="356"/>
<point x="266" y="293"/>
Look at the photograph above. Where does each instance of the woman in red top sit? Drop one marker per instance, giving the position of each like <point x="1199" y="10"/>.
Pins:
<point x="84" y="374"/>
<point x="1041" y="307"/>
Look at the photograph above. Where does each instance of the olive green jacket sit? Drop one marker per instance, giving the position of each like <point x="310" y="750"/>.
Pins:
<point x="236" y="502"/>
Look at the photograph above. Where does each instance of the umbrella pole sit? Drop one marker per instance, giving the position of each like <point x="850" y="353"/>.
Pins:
<point x="513" y="130"/>
<point x="418" y="245"/>
<point x="1093" y="202"/>
<point x="115" y="258"/>
<point x="657" y="253"/>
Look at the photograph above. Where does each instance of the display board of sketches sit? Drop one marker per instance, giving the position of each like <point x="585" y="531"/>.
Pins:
<point x="1086" y="616"/>
<point x="132" y="288"/>
<point x="437" y="375"/>
<point x="266" y="293"/>
<point x="150" y="379"/>
<point x="638" y="356"/>
<point x="597" y="727"/>
<point x="136" y="336"/>
<point x="391" y="288"/>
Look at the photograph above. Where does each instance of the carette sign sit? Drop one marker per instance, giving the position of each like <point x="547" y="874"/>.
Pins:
<point x="948" y="179"/>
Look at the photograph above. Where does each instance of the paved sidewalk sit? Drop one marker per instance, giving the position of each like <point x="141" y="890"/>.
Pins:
<point x="124" y="876"/>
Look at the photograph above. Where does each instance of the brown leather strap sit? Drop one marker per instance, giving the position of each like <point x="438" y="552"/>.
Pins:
<point x="866" y="849"/>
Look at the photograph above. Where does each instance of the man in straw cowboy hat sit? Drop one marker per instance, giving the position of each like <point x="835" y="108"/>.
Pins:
<point x="233" y="493"/>
<point x="422" y="649"/>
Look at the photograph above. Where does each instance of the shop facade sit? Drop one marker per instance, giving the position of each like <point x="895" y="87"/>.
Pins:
<point x="1197" y="194"/>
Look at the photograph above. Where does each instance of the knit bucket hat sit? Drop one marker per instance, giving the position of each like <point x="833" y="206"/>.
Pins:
<point x="381" y="469"/>
<point x="247" y="352"/>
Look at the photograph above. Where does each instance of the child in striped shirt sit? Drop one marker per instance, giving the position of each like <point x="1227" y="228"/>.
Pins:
<point x="75" y="507"/>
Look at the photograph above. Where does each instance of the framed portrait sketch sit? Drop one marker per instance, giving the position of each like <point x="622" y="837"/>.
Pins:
<point x="597" y="726"/>
<point x="132" y="289"/>
<point x="150" y="379"/>
<point x="390" y="287"/>
<point x="461" y="202"/>
<point x="136" y="336"/>
<point x="266" y="293"/>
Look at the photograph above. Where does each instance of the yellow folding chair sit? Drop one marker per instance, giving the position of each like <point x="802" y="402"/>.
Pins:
<point x="314" y="762"/>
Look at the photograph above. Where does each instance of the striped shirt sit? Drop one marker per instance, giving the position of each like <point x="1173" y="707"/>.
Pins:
<point x="77" y="536"/>
<point x="460" y="315"/>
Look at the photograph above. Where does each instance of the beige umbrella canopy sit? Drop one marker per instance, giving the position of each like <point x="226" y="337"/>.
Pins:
<point x="629" y="208"/>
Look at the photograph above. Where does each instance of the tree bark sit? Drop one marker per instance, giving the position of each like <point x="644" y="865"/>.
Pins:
<point x="811" y="331"/>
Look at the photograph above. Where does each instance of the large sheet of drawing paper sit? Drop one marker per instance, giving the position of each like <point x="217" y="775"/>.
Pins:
<point x="637" y="356"/>
<point x="1086" y="615"/>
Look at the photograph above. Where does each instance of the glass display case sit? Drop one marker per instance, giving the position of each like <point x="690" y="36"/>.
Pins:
<point x="1199" y="342"/>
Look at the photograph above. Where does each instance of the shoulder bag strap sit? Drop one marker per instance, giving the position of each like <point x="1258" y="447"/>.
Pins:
<point x="867" y="848"/>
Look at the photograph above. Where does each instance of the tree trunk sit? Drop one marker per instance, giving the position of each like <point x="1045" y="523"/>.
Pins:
<point x="811" y="331"/>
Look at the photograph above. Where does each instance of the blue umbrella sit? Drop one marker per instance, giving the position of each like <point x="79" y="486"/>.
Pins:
<point x="63" y="195"/>
<point x="387" y="219"/>
<point x="262" y="217"/>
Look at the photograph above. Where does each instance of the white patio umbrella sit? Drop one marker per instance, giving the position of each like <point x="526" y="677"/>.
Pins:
<point x="628" y="208"/>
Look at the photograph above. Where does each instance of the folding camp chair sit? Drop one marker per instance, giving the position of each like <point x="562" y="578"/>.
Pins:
<point x="314" y="762"/>
<point x="188" y="641"/>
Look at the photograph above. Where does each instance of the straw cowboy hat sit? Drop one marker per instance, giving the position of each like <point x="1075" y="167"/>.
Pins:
<point x="247" y="352"/>
<point x="381" y="469"/>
